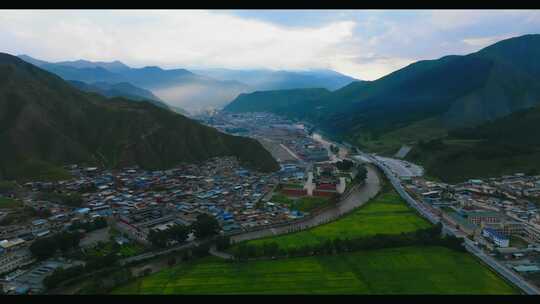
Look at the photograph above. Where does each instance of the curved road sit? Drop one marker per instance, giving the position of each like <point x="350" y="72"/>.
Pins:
<point x="356" y="198"/>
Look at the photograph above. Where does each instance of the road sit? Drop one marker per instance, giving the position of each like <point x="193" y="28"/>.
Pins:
<point x="401" y="167"/>
<point x="356" y="198"/>
<point x="291" y="152"/>
<point x="501" y="269"/>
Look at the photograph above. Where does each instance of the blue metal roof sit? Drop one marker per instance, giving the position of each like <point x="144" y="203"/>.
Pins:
<point x="495" y="233"/>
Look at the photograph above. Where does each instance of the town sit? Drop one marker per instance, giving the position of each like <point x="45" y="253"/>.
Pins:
<point x="122" y="208"/>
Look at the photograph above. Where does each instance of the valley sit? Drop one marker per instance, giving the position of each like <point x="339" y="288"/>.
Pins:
<point x="353" y="154"/>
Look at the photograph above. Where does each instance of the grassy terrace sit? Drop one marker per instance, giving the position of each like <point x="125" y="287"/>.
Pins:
<point x="303" y="204"/>
<point x="407" y="270"/>
<point x="385" y="214"/>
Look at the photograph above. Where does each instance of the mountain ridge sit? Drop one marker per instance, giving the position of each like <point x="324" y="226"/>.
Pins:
<point x="457" y="90"/>
<point x="45" y="119"/>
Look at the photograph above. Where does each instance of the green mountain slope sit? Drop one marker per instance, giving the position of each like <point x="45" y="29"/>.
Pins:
<point x="504" y="146"/>
<point x="122" y="89"/>
<point x="268" y="80"/>
<point x="178" y="87"/>
<point x="291" y="103"/>
<point x="458" y="90"/>
<point x="450" y="92"/>
<point x="43" y="119"/>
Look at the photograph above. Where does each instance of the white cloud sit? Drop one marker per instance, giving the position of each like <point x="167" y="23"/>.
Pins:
<point x="169" y="38"/>
<point x="371" y="67"/>
<point x="363" y="44"/>
<point x="480" y="42"/>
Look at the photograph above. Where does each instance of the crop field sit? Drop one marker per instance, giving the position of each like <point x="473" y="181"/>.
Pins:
<point x="385" y="214"/>
<point x="406" y="270"/>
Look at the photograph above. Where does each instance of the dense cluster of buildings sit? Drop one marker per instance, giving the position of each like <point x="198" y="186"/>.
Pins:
<point x="501" y="214"/>
<point x="137" y="201"/>
<point x="140" y="200"/>
<point x="286" y="140"/>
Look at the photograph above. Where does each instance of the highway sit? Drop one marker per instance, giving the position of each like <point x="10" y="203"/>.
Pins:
<point x="501" y="269"/>
<point x="401" y="167"/>
<point x="497" y="266"/>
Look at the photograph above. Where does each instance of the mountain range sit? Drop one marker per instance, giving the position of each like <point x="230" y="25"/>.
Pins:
<point x="269" y="80"/>
<point x="121" y="89"/>
<point x="428" y="98"/>
<point x="194" y="92"/>
<point x="45" y="122"/>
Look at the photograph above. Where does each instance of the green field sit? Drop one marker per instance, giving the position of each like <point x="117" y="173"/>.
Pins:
<point x="407" y="270"/>
<point x="303" y="204"/>
<point x="385" y="214"/>
<point x="9" y="203"/>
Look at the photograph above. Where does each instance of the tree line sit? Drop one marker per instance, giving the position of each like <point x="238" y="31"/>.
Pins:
<point x="423" y="237"/>
<point x="46" y="247"/>
<point x="96" y="224"/>
<point x="93" y="264"/>
<point x="204" y="226"/>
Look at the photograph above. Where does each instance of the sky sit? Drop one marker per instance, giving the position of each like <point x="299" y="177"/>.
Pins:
<point x="365" y="44"/>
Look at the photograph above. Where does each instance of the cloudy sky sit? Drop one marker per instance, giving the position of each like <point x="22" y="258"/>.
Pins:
<point x="365" y="44"/>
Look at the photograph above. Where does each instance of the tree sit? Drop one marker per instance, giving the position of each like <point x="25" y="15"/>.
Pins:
<point x="270" y="249"/>
<point x="361" y="175"/>
<point x="344" y="165"/>
<point x="179" y="233"/>
<point x="201" y="250"/>
<point x="67" y="240"/>
<point x="44" y="248"/>
<point x="171" y="261"/>
<point x="60" y="274"/>
<point x="242" y="251"/>
<point x="223" y="242"/>
<point x="205" y="226"/>
<point x="73" y="200"/>
<point x="159" y="239"/>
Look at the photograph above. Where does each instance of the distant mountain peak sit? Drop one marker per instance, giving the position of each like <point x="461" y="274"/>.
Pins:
<point x="48" y="122"/>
